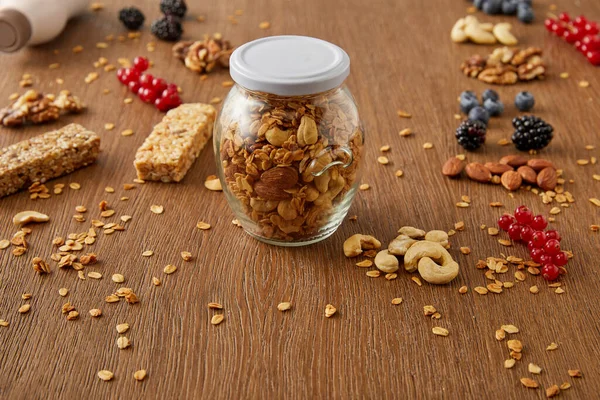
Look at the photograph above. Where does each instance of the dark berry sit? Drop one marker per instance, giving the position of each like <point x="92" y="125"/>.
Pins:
<point x="552" y="234"/>
<point x="538" y="239"/>
<point x="468" y="100"/>
<point x="471" y="134"/>
<point x="536" y="254"/>
<point x="550" y="272"/>
<point x="509" y="7"/>
<point x="494" y="107"/>
<point x="524" y="101"/>
<point x="177" y="8"/>
<point x="490" y="94"/>
<point x="132" y="18"/>
<point x="539" y="223"/>
<point x="478" y="4"/>
<point x="167" y="28"/>
<point x="514" y="231"/>
<point x="526" y="233"/>
<point x="141" y="63"/>
<point x="560" y="259"/>
<point x="479" y="114"/>
<point x="492" y="7"/>
<point x="531" y="133"/>
<point x="523" y="215"/>
<point x="505" y="221"/>
<point x="525" y="13"/>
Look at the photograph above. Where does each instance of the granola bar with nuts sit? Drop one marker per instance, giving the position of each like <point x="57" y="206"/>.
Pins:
<point x="169" y="151"/>
<point x="203" y="56"/>
<point x="37" y="108"/>
<point x="46" y="157"/>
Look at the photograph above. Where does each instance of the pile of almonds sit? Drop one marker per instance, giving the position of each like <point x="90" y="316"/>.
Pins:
<point x="512" y="171"/>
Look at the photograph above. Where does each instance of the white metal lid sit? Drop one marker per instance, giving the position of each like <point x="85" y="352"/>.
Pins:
<point x="289" y="65"/>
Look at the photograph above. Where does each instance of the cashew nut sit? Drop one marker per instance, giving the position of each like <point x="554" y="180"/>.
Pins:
<point x="307" y="131"/>
<point x="411" y="232"/>
<point x="438" y="274"/>
<point x="487" y="26"/>
<point x="386" y="262"/>
<point x="419" y="250"/>
<point x="503" y="34"/>
<point x="25" y="217"/>
<point x="355" y="244"/>
<point x="213" y="183"/>
<point x="276" y="136"/>
<point x="479" y="35"/>
<point x="400" y="245"/>
<point x="457" y="33"/>
<point x="440" y="237"/>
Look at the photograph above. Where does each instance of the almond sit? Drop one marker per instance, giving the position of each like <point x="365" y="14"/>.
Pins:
<point x="527" y="173"/>
<point x="497" y="168"/>
<point x="282" y="177"/>
<point x="513" y="160"/>
<point x="539" y="164"/>
<point x="547" y="179"/>
<point x="511" y="180"/>
<point x="270" y="192"/>
<point x="453" y="167"/>
<point x="478" y="172"/>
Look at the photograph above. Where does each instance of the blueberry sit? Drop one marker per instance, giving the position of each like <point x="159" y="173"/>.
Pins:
<point x="468" y="94"/>
<point x="479" y="114"/>
<point x="525" y="13"/>
<point x="509" y="7"/>
<point x="490" y="94"/>
<point x="528" y="2"/>
<point x="492" y="7"/>
<point x="468" y="103"/>
<point x="478" y="4"/>
<point x="524" y="101"/>
<point x="494" y="107"/>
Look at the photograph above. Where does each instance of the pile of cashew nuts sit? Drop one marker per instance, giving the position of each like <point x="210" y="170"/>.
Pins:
<point x="422" y="251"/>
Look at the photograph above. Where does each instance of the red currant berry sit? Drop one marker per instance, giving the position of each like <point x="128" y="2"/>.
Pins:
<point x="558" y="29"/>
<point x="578" y="45"/>
<point x="545" y="259"/>
<point x="539" y="223"/>
<point x="593" y="43"/>
<point x="171" y="89"/>
<point x="523" y="215"/>
<point x="591" y="28"/>
<point x="121" y="75"/>
<point x="134" y="86"/>
<point x="505" y="221"/>
<point x="131" y="75"/>
<point x="548" y="23"/>
<point x="550" y="272"/>
<point x="565" y="17"/>
<point x="538" y="239"/>
<point x="560" y="259"/>
<point x="146" y="80"/>
<point x="580" y="21"/>
<point x="526" y="233"/>
<point x="163" y="104"/>
<point x="514" y="231"/>
<point x="584" y="49"/>
<point x="570" y="37"/>
<point x="552" y="234"/>
<point x="159" y="84"/>
<point x="147" y="95"/>
<point x="174" y="99"/>
<point x="536" y="254"/>
<point x="552" y="247"/>
<point x="141" y="63"/>
<point x="593" y="57"/>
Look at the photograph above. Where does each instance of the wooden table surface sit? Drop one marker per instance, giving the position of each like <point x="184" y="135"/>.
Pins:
<point x="402" y="58"/>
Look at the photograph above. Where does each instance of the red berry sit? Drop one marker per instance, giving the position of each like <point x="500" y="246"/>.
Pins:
<point x="565" y="17"/>
<point x="141" y="63"/>
<point x="134" y="86"/>
<point x="570" y="37"/>
<point x="536" y="254"/>
<point x="580" y="21"/>
<point x="526" y="233"/>
<point x="163" y="104"/>
<point x="539" y="223"/>
<point x="171" y="89"/>
<point x="584" y="48"/>
<point x="552" y="247"/>
<point x="591" y="28"/>
<point x="174" y="100"/>
<point x="159" y="84"/>
<point x="593" y="43"/>
<point x="514" y="231"/>
<point x="505" y="221"/>
<point x="593" y="57"/>
<point x="131" y="75"/>
<point x="147" y="95"/>
<point x="523" y="215"/>
<point x="560" y="259"/>
<point x="578" y="45"/>
<point x="538" y="239"/>
<point x="552" y="234"/>
<point x="558" y="29"/>
<point x="545" y="259"/>
<point x="146" y="80"/>
<point x="121" y="75"/>
<point x="550" y="272"/>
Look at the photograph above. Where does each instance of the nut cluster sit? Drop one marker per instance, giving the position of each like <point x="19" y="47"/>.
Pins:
<point x="37" y="108"/>
<point x="506" y="66"/>
<point x="203" y="56"/>
<point x="470" y="29"/>
<point x="277" y="155"/>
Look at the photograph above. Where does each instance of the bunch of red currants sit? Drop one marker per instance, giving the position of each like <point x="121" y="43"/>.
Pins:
<point x="149" y="89"/>
<point x="579" y="32"/>
<point x="544" y="246"/>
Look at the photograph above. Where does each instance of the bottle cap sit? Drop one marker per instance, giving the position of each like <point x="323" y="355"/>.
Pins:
<point x="289" y="65"/>
<point x="15" y="30"/>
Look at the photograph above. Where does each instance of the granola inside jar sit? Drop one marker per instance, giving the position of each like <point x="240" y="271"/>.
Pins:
<point x="289" y="140"/>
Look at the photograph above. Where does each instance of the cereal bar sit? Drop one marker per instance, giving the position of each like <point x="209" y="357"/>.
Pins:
<point x="169" y="151"/>
<point x="47" y="156"/>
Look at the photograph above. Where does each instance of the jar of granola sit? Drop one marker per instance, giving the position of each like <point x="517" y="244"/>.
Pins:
<point x="288" y="140"/>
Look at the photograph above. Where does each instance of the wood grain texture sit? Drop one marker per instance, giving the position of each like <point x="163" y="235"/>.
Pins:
<point x="402" y="58"/>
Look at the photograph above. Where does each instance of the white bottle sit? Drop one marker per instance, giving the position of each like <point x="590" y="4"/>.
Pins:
<point x="31" y="22"/>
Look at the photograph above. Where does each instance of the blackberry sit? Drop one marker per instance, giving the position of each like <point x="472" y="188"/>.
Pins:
<point x="132" y="18"/>
<point x="531" y="133"/>
<point x="167" y="28"/>
<point x="177" y="8"/>
<point x="471" y="134"/>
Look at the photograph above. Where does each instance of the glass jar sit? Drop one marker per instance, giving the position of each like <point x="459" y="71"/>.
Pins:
<point x="288" y="140"/>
